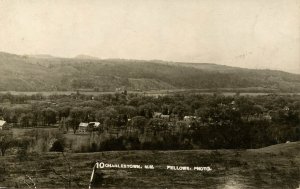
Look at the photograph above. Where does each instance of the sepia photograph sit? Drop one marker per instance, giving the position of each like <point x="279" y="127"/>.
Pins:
<point x="150" y="94"/>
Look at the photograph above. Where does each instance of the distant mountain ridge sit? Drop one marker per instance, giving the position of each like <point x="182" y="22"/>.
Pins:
<point x="48" y="73"/>
<point x="84" y="56"/>
<point x="44" y="56"/>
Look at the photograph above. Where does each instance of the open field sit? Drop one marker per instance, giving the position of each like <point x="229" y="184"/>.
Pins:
<point x="275" y="166"/>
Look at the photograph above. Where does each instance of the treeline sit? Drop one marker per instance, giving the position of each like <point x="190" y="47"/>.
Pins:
<point x="131" y="121"/>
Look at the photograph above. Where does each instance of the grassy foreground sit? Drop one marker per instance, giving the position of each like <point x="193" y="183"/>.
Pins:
<point x="275" y="166"/>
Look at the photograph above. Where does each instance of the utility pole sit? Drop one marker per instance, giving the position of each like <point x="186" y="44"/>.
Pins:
<point x="92" y="175"/>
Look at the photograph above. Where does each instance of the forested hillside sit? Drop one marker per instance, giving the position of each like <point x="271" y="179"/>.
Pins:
<point x="47" y="73"/>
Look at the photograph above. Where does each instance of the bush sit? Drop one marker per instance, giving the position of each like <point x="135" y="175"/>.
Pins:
<point x="3" y="172"/>
<point x="153" y="145"/>
<point x="112" y="144"/>
<point x="93" y="147"/>
<point x="22" y="154"/>
<point x="58" y="146"/>
<point x="132" y="143"/>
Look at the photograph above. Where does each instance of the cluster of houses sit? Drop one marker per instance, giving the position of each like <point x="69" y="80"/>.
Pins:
<point x="85" y="127"/>
<point x="173" y="118"/>
<point x="93" y="126"/>
<point x="258" y="117"/>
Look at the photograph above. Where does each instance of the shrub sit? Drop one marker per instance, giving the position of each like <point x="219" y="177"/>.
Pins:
<point x="58" y="146"/>
<point x="112" y="144"/>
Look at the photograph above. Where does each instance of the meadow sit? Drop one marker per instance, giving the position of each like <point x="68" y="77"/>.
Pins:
<point x="276" y="166"/>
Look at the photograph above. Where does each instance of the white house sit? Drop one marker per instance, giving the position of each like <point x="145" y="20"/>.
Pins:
<point x="2" y="124"/>
<point x="83" y="127"/>
<point x="157" y="114"/>
<point x="165" y="117"/>
<point x="94" y="125"/>
<point x="189" y="118"/>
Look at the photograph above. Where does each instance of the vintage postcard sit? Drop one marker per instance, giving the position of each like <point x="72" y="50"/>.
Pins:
<point x="150" y="94"/>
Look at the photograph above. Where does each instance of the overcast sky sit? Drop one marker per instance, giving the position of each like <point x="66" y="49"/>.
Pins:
<point x="243" y="33"/>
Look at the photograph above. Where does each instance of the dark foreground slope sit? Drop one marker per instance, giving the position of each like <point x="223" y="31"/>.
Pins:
<point x="272" y="167"/>
<point x="46" y="73"/>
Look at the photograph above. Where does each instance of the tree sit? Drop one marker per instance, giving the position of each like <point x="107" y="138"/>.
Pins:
<point x="130" y="111"/>
<point x="157" y="125"/>
<point x="6" y="141"/>
<point x="110" y="112"/>
<point x="24" y="120"/>
<point x="23" y="145"/>
<point x="147" y="110"/>
<point x="49" y="116"/>
<point x="139" y="122"/>
<point x="72" y="123"/>
<point x="246" y="107"/>
<point x="58" y="146"/>
<point x="100" y="116"/>
<point x="181" y="110"/>
<point x="64" y="111"/>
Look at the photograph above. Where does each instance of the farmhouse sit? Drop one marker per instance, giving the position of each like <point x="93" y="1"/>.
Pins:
<point x="165" y="117"/>
<point x="83" y="127"/>
<point x="157" y="114"/>
<point x="189" y="118"/>
<point x="3" y="125"/>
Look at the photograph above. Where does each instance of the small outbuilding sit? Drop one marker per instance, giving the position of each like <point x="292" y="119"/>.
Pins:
<point x="94" y="125"/>
<point x="3" y="125"/>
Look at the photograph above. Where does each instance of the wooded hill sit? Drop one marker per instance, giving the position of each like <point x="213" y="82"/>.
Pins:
<point x="47" y="73"/>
